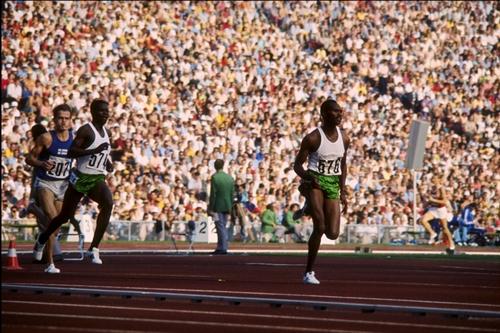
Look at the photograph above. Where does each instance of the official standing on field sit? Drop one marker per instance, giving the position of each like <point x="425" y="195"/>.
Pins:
<point x="220" y="204"/>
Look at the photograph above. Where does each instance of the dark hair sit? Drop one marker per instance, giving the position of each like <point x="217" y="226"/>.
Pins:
<point x="96" y="104"/>
<point x="330" y="104"/>
<point x="60" y="108"/>
<point x="218" y="164"/>
<point x="37" y="130"/>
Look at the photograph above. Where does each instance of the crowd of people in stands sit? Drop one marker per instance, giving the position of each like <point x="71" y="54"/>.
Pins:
<point x="193" y="81"/>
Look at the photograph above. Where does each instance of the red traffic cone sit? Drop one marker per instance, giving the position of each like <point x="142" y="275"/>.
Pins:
<point x="12" y="262"/>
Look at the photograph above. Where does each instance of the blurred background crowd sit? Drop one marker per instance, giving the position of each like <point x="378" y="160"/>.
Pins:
<point x="190" y="82"/>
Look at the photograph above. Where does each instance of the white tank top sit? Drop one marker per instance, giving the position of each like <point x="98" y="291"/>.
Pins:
<point x="326" y="160"/>
<point x="95" y="164"/>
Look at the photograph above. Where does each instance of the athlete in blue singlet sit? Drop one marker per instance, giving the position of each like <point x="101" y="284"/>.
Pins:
<point x="50" y="158"/>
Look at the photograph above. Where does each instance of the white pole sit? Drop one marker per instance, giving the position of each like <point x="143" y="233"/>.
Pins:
<point x="414" y="200"/>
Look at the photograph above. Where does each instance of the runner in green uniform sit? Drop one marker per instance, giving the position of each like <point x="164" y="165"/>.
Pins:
<point x="325" y="151"/>
<point x="90" y="148"/>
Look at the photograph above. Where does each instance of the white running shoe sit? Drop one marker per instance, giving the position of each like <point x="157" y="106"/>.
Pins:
<point x="95" y="256"/>
<point x="309" y="278"/>
<point x="52" y="269"/>
<point x="432" y="239"/>
<point x="38" y="249"/>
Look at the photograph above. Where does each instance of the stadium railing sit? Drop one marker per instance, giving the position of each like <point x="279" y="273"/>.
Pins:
<point x="130" y="230"/>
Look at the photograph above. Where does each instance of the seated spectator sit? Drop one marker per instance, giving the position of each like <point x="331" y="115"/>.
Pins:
<point x="294" y="227"/>
<point x="271" y="228"/>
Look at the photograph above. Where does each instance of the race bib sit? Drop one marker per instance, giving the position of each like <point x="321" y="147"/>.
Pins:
<point x="61" y="167"/>
<point x="98" y="161"/>
<point x="330" y="167"/>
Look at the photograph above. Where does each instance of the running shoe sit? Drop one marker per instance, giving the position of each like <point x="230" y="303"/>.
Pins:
<point x="432" y="239"/>
<point x="95" y="256"/>
<point x="309" y="278"/>
<point x="52" y="269"/>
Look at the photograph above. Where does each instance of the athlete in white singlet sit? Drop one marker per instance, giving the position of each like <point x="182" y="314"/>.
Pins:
<point x="325" y="149"/>
<point x="439" y="208"/>
<point x="91" y="148"/>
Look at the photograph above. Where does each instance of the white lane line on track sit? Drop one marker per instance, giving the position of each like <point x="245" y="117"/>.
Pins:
<point x="272" y="264"/>
<point x="255" y="315"/>
<point x="471" y="268"/>
<point x="265" y="294"/>
<point x="183" y="322"/>
<point x="415" y="284"/>
<point x="173" y="253"/>
<point x="26" y="328"/>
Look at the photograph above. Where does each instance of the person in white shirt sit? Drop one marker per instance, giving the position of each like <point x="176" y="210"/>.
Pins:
<point x="91" y="148"/>
<point x="325" y="150"/>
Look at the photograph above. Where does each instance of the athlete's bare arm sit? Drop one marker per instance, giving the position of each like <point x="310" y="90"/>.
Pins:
<point x="83" y="139"/>
<point x="42" y="142"/>
<point x="309" y="144"/>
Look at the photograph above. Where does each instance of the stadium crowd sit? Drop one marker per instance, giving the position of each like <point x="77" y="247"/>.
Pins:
<point x="190" y="82"/>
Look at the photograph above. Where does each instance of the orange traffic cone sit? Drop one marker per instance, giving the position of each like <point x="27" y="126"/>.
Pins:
<point x="12" y="262"/>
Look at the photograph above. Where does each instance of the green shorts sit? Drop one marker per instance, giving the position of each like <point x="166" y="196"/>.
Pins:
<point x="84" y="183"/>
<point x="330" y="185"/>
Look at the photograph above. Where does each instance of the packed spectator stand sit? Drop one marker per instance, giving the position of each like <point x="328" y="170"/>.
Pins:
<point x="190" y="82"/>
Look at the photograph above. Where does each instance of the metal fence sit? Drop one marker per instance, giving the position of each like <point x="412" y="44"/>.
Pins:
<point x="126" y="230"/>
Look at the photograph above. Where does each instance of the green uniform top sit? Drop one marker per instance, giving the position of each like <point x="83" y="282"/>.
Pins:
<point x="221" y="192"/>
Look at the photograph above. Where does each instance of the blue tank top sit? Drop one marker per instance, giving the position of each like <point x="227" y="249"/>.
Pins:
<point x="58" y="153"/>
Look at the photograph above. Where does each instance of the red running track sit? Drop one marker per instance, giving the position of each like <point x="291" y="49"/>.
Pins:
<point x="404" y="282"/>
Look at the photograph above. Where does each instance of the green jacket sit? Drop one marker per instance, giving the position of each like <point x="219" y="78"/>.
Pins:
<point x="221" y="192"/>
<point x="269" y="221"/>
<point x="289" y="221"/>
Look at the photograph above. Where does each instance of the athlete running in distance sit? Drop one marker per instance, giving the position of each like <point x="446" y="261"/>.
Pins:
<point x="323" y="183"/>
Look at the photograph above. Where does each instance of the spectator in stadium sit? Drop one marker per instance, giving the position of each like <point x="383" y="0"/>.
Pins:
<point x="325" y="150"/>
<point x="271" y="228"/>
<point x="90" y="147"/>
<point x="239" y="213"/>
<point x="465" y="222"/>
<point x="220" y="204"/>
<point x="293" y="226"/>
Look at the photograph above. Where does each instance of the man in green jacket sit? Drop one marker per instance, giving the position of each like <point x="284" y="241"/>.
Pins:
<point x="220" y="204"/>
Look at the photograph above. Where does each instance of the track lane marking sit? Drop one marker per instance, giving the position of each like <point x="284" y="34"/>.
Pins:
<point x="183" y="322"/>
<point x="237" y="292"/>
<point x="252" y="315"/>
